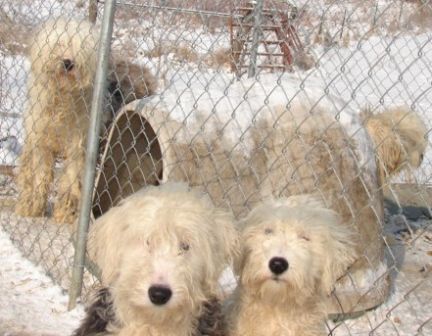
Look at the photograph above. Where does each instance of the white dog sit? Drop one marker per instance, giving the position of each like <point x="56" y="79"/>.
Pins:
<point x="400" y="139"/>
<point x="63" y="63"/>
<point x="63" y="58"/>
<point x="293" y="251"/>
<point x="161" y="252"/>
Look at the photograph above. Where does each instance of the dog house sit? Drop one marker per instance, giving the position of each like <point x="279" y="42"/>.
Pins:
<point x="217" y="138"/>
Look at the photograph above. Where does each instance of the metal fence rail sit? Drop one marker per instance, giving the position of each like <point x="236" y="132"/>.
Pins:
<point x="224" y="87"/>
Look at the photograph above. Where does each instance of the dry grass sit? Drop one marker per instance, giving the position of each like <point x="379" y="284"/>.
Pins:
<point x="125" y="14"/>
<point x="362" y="20"/>
<point x="219" y="58"/>
<point x="182" y="53"/>
<point x="185" y="54"/>
<point x="12" y="43"/>
<point x="422" y="16"/>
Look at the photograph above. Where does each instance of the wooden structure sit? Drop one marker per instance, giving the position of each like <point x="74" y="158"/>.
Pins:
<point x="251" y="27"/>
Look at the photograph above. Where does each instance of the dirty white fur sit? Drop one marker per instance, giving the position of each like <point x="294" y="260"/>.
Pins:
<point x="162" y="236"/>
<point x="56" y="119"/>
<point x="318" y="250"/>
<point x="400" y="138"/>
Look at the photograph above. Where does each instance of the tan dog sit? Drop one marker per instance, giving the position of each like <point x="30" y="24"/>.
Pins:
<point x="63" y="65"/>
<point x="312" y="152"/>
<point x="400" y="139"/>
<point x="293" y="251"/>
<point x="161" y="252"/>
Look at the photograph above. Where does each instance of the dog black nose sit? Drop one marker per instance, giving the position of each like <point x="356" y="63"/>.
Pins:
<point x="159" y="295"/>
<point x="68" y="64"/>
<point x="278" y="265"/>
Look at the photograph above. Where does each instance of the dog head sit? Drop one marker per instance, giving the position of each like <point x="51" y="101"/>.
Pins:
<point x="162" y="251"/>
<point x="412" y="133"/>
<point x="293" y="249"/>
<point x="64" y="51"/>
<point x="399" y="135"/>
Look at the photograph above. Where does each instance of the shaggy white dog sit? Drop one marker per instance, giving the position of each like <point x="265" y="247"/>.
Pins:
<point x="60" y="86"/>
<point x="293" y="251"/>
<point x="161" y="252"/>
<point x="400" y="138"/>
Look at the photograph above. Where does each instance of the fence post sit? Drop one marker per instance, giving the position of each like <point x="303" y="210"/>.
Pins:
<point x="92" y="151"/>
<point x="258" y="4"/>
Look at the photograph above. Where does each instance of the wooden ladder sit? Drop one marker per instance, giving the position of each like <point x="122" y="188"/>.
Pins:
<point x="277" y="20"/>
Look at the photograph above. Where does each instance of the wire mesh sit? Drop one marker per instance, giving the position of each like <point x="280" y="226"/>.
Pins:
<point x="241" y="139"/>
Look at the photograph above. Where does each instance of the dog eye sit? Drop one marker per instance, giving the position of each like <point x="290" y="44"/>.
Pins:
<point x="184" y="247"/>
<point x="268" y="231"/>
<point x="304" y="237"/>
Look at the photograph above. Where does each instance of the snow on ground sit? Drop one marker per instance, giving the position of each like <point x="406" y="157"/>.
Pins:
<point x="10" y="148"/>
<point x="408" y="309"/>
<point x="30" y="303"/>
<point x="13" y="75"/>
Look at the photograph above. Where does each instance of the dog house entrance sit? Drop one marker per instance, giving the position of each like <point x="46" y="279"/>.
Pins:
<point x="131" y="159"/>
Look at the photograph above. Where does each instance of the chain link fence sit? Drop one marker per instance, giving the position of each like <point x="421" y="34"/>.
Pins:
<point x="208" y="92"/>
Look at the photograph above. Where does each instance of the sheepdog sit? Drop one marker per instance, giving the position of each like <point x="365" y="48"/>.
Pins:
<point x="63" y="63"/>
<point x="101" y="313"/>
<point x="161" y="252"/>
<point x="400" y="138"/>
<point x="63" y="58"/>
<point x="310" y="151"/>
<point x="292" y="252"/>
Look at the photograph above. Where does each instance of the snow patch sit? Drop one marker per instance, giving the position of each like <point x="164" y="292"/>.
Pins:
<point x="29" y="300"/>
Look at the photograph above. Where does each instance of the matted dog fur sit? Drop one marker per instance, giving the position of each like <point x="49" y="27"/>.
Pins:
<point x="310" y="152"/>
<point x="292" y="252"/>
<point x="98" y="315"/>
<point x="101" y="313"/>
<point x="400" y="138"/>
<point x="161" y="252"/>
<point x="63" y="65"/>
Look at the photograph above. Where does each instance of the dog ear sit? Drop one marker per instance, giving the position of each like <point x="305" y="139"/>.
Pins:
<point x="387" y="146"/>
<point x="255" y="217"/>
<point x="104" y="242"/>
<point x="340" y="251"/>
<point x="411" y="132"/>
<point x="227" y="237"/>
<point x="240" y="259"/>
<point x="223" y="247"/>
